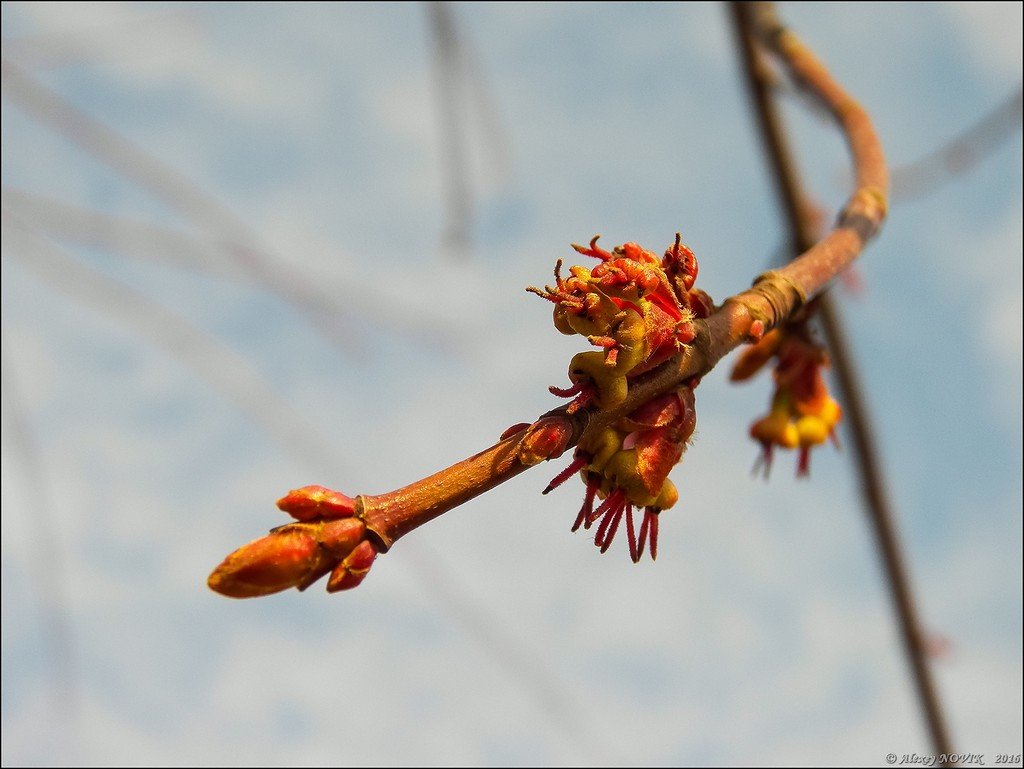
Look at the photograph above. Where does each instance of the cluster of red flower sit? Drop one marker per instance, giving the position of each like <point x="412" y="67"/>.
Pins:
<point x="639" y="309"/>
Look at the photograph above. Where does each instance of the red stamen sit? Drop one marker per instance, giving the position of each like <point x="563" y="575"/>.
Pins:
<point x="764" y="460"/>
<point x="654" y="534"/>
<point x="588" y="503"/>
<point x="803" y="468"/>
<point x="609" y="518"/>
<point x="598" y="253"/>
<point x="577" y="464"/>
<point x="567" y="392"/>
<point x="644" y="524"/>
<point x="612" y="528"/>
<point x="609" y="501"/>
<point x="557" y="296"/>
<point x="631" y="534"/>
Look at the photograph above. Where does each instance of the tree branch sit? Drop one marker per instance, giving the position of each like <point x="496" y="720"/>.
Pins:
<point x="876" y="498"/>
<point x="342" y="535"/>
<point x="959" y="155"/>
<point x="773" y="298"/>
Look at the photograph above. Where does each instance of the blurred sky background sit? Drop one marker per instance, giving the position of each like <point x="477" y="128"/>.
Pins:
<point x="226" y="274"/>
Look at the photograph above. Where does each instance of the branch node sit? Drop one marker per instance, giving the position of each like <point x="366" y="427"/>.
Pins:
<point x="783" y="295"/>
<point x="865" y="212"/>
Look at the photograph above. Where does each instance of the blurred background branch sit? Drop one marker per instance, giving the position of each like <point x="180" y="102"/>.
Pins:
<point x="868" y="465"/>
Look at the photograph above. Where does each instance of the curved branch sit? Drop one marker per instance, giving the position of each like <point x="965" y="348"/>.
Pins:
<point x="773" y="298"/>
<point x="865" y="450"/>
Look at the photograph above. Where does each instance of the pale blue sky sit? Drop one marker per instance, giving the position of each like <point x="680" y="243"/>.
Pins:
<point x="167" y="426"/>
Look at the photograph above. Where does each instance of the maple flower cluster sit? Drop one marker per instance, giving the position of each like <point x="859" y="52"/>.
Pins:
<point x="803" y="414"/>
<point x="639" y="310"/>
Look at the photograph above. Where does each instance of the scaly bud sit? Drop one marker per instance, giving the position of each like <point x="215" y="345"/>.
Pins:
<point x="351" y="571"/>
<point x="284" y="558"/>
<point x="545" y="439"/>
<point x="311" y="502"/>
<point x="297" y="555"/>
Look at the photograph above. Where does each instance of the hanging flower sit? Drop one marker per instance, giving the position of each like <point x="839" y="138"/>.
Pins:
<point x="803" y="414"/>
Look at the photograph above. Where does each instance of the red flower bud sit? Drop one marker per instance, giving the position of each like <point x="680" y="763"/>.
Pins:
<point x="284" y="558"/>
<point x="312" y="502"/>
<point x="544" y="439"/>
<point x="297" y="555"/>
<point x="351" y="571"/>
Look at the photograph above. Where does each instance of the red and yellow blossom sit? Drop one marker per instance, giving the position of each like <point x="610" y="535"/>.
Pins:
<point x="803" y="414"/>
<point x="627" y="465"/>
<point x="639" y="309"/>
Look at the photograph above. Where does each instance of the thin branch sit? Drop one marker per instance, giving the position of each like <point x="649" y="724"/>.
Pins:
<point x="47" y="563"/>
<point x="959" y="155"/>
<point x="876" y="500"/>
<point x="240" y="246"/>
<point x="226" y="370"/>
<point x="773" y="298"/>
<point x="130" y="37"/>
<point x="450" y="74"/>
<point x="122" y="155"/>
<point x="134" y="239"/>
<point x="491" y="130"/>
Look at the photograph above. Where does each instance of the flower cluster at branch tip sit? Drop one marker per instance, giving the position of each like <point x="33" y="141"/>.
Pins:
<point x="639" y="310"/>
<point x="636" y="307"/>
<point x="328" y="538"/>
<point x="803" y="414"/>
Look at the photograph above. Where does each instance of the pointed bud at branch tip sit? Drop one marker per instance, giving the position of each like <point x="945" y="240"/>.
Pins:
<point x="298" y="554"/>
<point x="278" y="561"/>
<point x="341" y="537"/>
<point x="312" y="502"/>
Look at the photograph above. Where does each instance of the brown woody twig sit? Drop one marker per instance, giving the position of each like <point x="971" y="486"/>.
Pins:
<point x="876" y="498"/>
<point x="772" y="299"/>
<point x="342" y="535"/>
